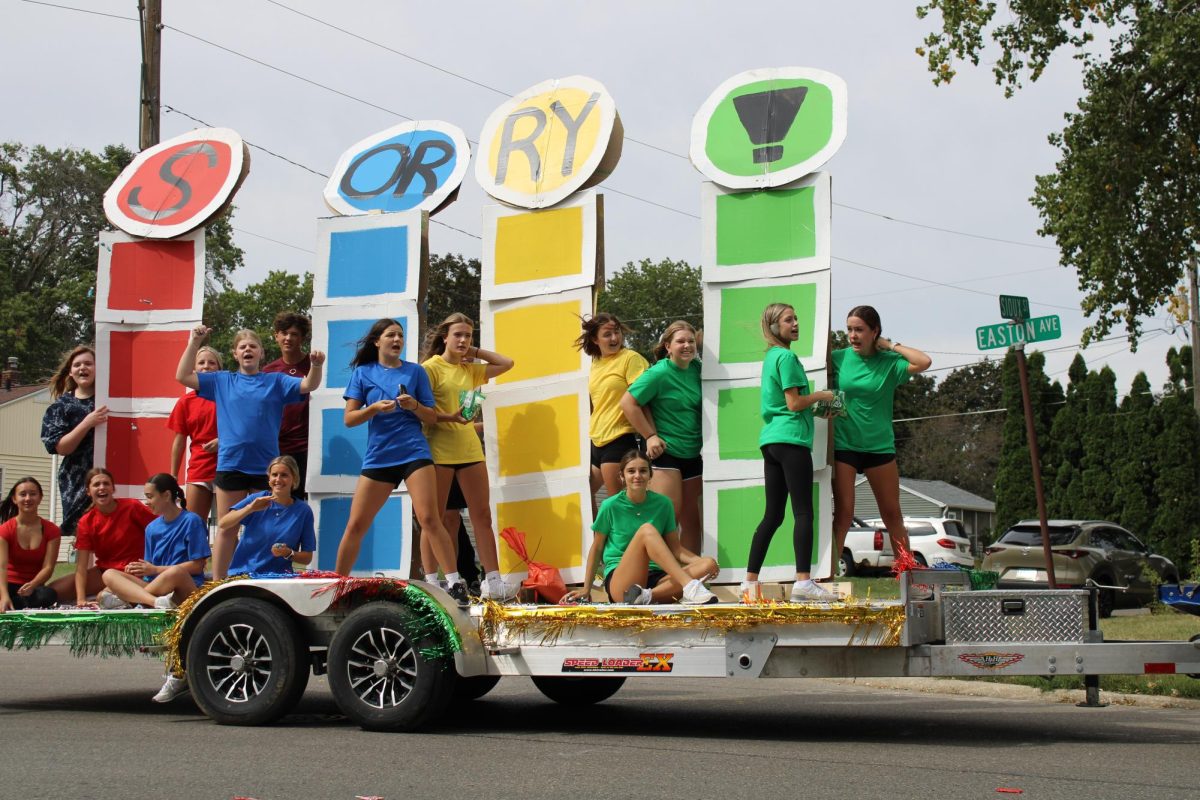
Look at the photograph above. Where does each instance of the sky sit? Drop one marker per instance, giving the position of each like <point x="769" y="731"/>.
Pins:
<point x="931" y="217"/>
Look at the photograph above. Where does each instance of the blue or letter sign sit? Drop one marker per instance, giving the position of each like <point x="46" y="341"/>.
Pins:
<point x="417" y="165"/>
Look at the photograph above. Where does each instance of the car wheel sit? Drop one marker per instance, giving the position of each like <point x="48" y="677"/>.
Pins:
<point x="378" y="673"/>
<point x="246" y="662"/>
<point x="846" y="565"/>
<point x="473" y="688"/>
<point x="569" y="690"/>
<point x="1107" y="603"/>
<point x="920" y="559"/>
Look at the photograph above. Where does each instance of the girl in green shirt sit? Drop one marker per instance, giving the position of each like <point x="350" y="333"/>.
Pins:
<point x="868" y="373"/>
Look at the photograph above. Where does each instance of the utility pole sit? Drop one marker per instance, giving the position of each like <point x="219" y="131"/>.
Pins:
<point x="150" y="12"/>
<point x="1194" y="316"/>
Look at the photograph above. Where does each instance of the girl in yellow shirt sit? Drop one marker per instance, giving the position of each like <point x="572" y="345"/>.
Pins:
<point x="456" y="365"/>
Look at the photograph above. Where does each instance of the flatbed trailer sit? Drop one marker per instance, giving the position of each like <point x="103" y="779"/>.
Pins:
<point x="396" y="652"/>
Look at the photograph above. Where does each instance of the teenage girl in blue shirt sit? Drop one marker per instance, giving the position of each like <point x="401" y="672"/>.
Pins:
<point x="249" y="409"/>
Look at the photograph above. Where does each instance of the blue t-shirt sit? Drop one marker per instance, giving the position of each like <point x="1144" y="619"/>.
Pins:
<point x="171" y="543"/>
<point x="277" y="524"/>
<point x="249" y="410"/>
<point x="396" y="437"/>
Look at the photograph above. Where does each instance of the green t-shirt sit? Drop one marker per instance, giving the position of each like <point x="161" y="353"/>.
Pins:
<point x="781" y="371"/>
<point x="619" y="519"/>
<point x="673" y="395"/>
<point x="870" y="388"/>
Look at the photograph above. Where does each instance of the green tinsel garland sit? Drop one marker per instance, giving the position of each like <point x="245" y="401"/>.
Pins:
<point x="88" y="633"/>
<point x="431" y="618"/>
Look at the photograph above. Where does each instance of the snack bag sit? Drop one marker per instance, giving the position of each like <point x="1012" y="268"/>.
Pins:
<point x="470" y="401"/>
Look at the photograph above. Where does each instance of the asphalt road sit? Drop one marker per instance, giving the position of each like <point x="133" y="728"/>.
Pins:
<point x="85" y="728"/>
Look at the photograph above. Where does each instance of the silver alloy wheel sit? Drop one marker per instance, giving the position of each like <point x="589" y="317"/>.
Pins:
<point x="382" y="667"/>
<point x="240" y="663"/>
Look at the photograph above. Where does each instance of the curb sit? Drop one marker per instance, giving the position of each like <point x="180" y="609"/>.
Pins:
<point x="1007" y="691"/>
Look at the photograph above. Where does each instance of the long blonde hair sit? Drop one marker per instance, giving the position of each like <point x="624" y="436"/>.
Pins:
<point x="770" y="323"/>
<point x="435" y="340"/>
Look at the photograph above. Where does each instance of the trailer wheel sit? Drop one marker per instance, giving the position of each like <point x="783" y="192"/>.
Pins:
<point x="573" y="691"/>
<point x="378" y="675"/>
<point x="473" y="688"/>
<point x="246" y="663"/>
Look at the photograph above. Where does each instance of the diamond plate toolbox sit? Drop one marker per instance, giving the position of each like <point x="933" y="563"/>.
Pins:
<point x="999" y="616"/>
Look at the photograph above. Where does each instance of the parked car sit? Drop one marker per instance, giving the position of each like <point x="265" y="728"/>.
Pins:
<point x="935" y="540"/>
<point x="1082" y="551"/>
<point x="867" y="549"/>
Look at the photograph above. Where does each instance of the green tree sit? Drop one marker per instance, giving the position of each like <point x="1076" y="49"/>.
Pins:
<point x="255" y="308"/>
<point x="1063" y="462"/>
<point x="1122" y="203"/>
<point x="452" y="285"/>
<point x="1096" y="495"/>
<point x="1176" y="476"/>
<point x="649" y="296"/>
<point x="1136" y="460"/>
<point x="1015" y="496"/>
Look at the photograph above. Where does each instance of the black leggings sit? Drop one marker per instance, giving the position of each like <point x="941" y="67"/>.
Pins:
<point x="41" y="597"/>
<point x="788" y="472"/>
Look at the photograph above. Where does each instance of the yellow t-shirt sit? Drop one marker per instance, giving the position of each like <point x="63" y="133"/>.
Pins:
<point x="607" y="383"/>
<point x="453" y="442"/>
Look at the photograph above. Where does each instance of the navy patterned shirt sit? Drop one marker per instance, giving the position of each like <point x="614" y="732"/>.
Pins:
<point x="62" y="417"/>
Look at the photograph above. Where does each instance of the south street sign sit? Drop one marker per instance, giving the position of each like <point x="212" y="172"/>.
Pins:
<point x="1007" y="334"/>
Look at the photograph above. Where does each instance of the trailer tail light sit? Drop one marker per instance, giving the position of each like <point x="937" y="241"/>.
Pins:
<point x="878" y="541"/>
<point x="949" y="544"/>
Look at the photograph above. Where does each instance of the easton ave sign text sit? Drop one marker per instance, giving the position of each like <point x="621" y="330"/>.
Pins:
<point x="1007" y="334"/>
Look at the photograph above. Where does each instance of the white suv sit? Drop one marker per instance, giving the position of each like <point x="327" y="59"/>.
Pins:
<point x="935" y="540"/>
<point x="867" y="548"/>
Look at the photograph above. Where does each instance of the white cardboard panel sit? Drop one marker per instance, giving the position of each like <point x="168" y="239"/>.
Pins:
<point x="582" y="298"/>
<point x="384" y="555"/>
<point x="367" y="272"/>
<point x="332" y="446"/>
<point x="535" y="431"/>
<point x="135" y="406"/>
<point x="589" y="254"/>
<point x="717" y="468"/>
<point x="337" y="329"/>
<point x="148" y="314"/>
<point x="713" y="369"/>
<point x="576" y="487"/>
<point x="822" y="529"/>
<point x="712" y="272"/>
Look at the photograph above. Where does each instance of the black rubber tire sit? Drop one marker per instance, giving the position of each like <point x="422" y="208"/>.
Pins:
<point x="569" y="690"/>
<point x="473" y="688"/>
<point x="920" y="559"/>
<point x="1107" y="603"/>
<point x="247" y="662"/>
<point x="377" y="674"/>
<point x="847" y="568"/>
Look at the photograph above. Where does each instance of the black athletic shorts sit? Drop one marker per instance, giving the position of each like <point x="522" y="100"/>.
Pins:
<point x="240" y="482"/>
<point x="614" y="451"/>
<point x="688" y="467"/>
<point x="653" y="579"/>
<point x="863" y="461"/>
<point x="396" y="474"/>
<point x="457" y="467"/>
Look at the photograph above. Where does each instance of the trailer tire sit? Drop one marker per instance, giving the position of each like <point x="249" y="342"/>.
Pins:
<point x="846" y="565"/>
<point x="473" y="688"/>
<point x="569" y="690"/>
<point x="246" y="662"/>
<point x="378" y="675"/>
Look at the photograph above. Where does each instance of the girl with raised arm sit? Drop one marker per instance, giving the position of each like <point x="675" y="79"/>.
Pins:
<point x="195" y="419"/>
<point x="393" y="397"/>
<point x="68" y="430"/>
<point x="28" y="549"/>
<point x="637" y="541"/>
<point x="277" y="529"/>
<point x="786" y="442"/>
<point x="454" y="366"/>
<point x="663" y="405"/>
<point x="249" y="409"/>
<point x="867" y="373"/>
<point x="614" y="369"/>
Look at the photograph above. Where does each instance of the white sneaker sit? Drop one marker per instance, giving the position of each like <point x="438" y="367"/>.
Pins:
<point x="750" y="592"/>
<point x="166" y="602"/>
<point x="173" y="687"/>
<point x="695" y="594"/>
<point x="811" y="592"/>
<point x="635" y="595"/>
<point x="110" y="601"/>
<point x="499" y="590"/>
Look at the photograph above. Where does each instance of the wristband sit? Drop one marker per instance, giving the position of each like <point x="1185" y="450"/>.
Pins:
<point x="650" y="436"/>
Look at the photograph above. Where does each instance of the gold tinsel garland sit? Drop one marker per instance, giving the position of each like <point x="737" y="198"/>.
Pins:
<point x="170" y="638"/>
<point x="553" y="622"/>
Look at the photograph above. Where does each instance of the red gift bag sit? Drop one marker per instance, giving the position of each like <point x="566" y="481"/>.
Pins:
<point x="543" y="578"/>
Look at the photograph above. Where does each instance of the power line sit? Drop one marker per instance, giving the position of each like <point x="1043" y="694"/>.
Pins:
<point x="80" y="10"/>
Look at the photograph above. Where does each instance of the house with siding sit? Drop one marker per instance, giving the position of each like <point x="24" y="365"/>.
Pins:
<point x="933" y="499"/>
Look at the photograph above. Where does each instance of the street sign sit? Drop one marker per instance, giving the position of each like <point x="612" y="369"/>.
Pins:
<point x="1014" y="307"/>
<point x="1007" y="334"/>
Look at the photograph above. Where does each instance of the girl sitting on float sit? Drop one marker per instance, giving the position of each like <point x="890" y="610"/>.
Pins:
<point x="638" y="542"/>
<point x="614" y="369"/>
<point x="176" y="551"/>
<point x="249" y="410"/>
<point x="454" y="366"/>
<point x="277" y="529"/>
<point x="663" y="404"/>
<point x="114" y="531"/>
<point x="28" y="549"/>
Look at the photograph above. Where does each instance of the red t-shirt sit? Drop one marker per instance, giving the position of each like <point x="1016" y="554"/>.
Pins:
<point x="293" y="430"/>
<point x="24" y="565"/>
<point x="116" y="538"/>
<point x="196" y="418"/>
